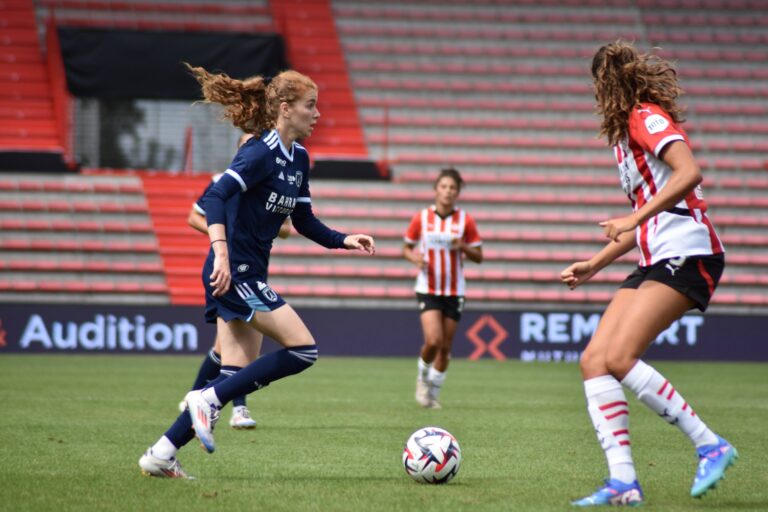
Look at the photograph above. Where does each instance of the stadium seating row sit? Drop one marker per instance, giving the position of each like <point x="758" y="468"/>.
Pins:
<point x="542" y="69"/>
<point x="453" y="50"/>
<point x="555" y="106"/>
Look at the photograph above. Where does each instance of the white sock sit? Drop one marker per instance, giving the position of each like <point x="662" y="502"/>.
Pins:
<point x="424" y="369"/>
<point x="658" y="394"/>
<point x="436" y="380"/>
<point x="210" y="395"/>
<point x="609" y="412"/>
<point x="164" y="449"/>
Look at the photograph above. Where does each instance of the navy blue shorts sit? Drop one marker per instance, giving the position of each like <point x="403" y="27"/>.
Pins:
<point x="696" y="277"/>
<point x="241" y="301"/>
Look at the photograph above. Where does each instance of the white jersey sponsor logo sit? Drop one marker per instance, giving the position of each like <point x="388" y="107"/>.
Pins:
<point x="656" y="123"/>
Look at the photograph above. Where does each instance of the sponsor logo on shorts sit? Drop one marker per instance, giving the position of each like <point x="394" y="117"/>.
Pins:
<point x="243" y="268"/>
<point x="674" y="264"/>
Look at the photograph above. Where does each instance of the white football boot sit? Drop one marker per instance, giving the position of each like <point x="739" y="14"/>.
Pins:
<point x="422" y="392"/>
<point x="241" y="419"/>
<point x="204" y="416"/>
<point x="163" y="468"/>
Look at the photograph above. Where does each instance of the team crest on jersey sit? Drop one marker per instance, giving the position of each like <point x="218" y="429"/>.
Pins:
<point x="656" y="123"/>
<point x="299" y="177"/>
<point x="266" y="291"/>
<point x="243" y="267"/>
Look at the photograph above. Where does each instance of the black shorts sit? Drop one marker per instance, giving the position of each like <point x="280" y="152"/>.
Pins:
<point x="696" y="277"/>
<point x="450" y="305"/>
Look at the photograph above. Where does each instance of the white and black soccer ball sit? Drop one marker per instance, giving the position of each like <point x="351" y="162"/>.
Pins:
<point x="432" y="456"/>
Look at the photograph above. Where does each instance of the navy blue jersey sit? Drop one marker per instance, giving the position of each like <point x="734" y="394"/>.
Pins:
<point x="264" y="184"/>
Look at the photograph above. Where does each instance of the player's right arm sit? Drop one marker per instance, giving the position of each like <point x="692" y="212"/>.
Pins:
<point x="582" y="271"/>
<point x="411" y="238"/>
<point x="247" y="170"/>
<point x="411" y="254"/>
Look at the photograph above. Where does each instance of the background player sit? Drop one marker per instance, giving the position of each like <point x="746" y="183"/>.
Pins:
<point x="681" y="261"/>
<point x="267" y="181"/>
<point x="444" y="235"/>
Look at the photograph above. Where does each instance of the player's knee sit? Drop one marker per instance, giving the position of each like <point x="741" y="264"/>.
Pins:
<point x="304" y="356"/>
<point x="592" y="363"/>
<point x="619" y="363"/>
<point x="433" y="341"/>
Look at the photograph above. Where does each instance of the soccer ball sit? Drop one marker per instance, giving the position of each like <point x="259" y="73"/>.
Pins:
<point x="432" y="456"/>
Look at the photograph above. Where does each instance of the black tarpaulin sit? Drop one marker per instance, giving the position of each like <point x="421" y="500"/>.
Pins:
<point x="104" y="63"/>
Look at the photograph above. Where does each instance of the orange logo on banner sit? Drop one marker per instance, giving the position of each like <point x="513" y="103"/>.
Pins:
<point x="492" y="347"/>
<point x="2" y="334"/>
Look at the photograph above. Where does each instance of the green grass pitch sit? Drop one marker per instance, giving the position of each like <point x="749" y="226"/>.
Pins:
<point x="73" y="428"/>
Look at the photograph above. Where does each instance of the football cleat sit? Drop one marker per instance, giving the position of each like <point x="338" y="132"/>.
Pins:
<point x="615" y="492"/>
<point x="434" y="404"/>
<point x="422" y="392"/>
<point x="714" y="459"/>
<point x="204" y="416"/>
<point x="164" y="468"/>
<point x="241" y="419"/>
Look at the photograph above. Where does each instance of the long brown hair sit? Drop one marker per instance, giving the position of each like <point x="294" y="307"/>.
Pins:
<point x="624" y="78"/>
<point x="252" y="104"/>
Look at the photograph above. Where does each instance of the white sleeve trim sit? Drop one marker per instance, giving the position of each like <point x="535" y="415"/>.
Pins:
<point x="237" y="177"/>
<point x="666" y="140"/>
<point x="303" y="199"/>
<point x="476" y="244"/>
<point x="198" y="209"/>
<point x="409" y="241"/>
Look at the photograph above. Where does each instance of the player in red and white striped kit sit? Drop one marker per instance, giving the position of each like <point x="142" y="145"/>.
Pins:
<point x="681" y="261"/>
<point x="437" y="241"/>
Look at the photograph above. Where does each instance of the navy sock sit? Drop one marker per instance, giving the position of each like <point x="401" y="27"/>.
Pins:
<point x="229" y="371"/>
<point x="266" y="369"/>
<point x="225" y="373"/>
<point x="208" y="371"/>
<point x="181" y="431"/>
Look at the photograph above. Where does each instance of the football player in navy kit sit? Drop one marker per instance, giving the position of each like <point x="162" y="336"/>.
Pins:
<point x="267" y="181"/>
<point x="210" y="368"/>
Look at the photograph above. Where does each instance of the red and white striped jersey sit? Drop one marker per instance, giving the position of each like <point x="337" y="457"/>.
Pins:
<point x="442" y="273"/>
<point x="684" y="230"/>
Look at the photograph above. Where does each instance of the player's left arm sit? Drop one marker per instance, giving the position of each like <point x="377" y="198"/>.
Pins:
<point x="285" y="228"/>
<point x="197" y="220"/>
<point x="685" y="177"/>
<point x="470" y="244"/>
<point x="308" y="225"/>
<point x="655" y="132"/>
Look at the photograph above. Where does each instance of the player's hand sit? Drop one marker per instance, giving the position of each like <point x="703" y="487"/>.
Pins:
<point x="363" y="243"/>
<point x="221" y="276"/>
<point x="457" y="244"/>
<point x="614" y="227"/>
<point x="577" y="274"/>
